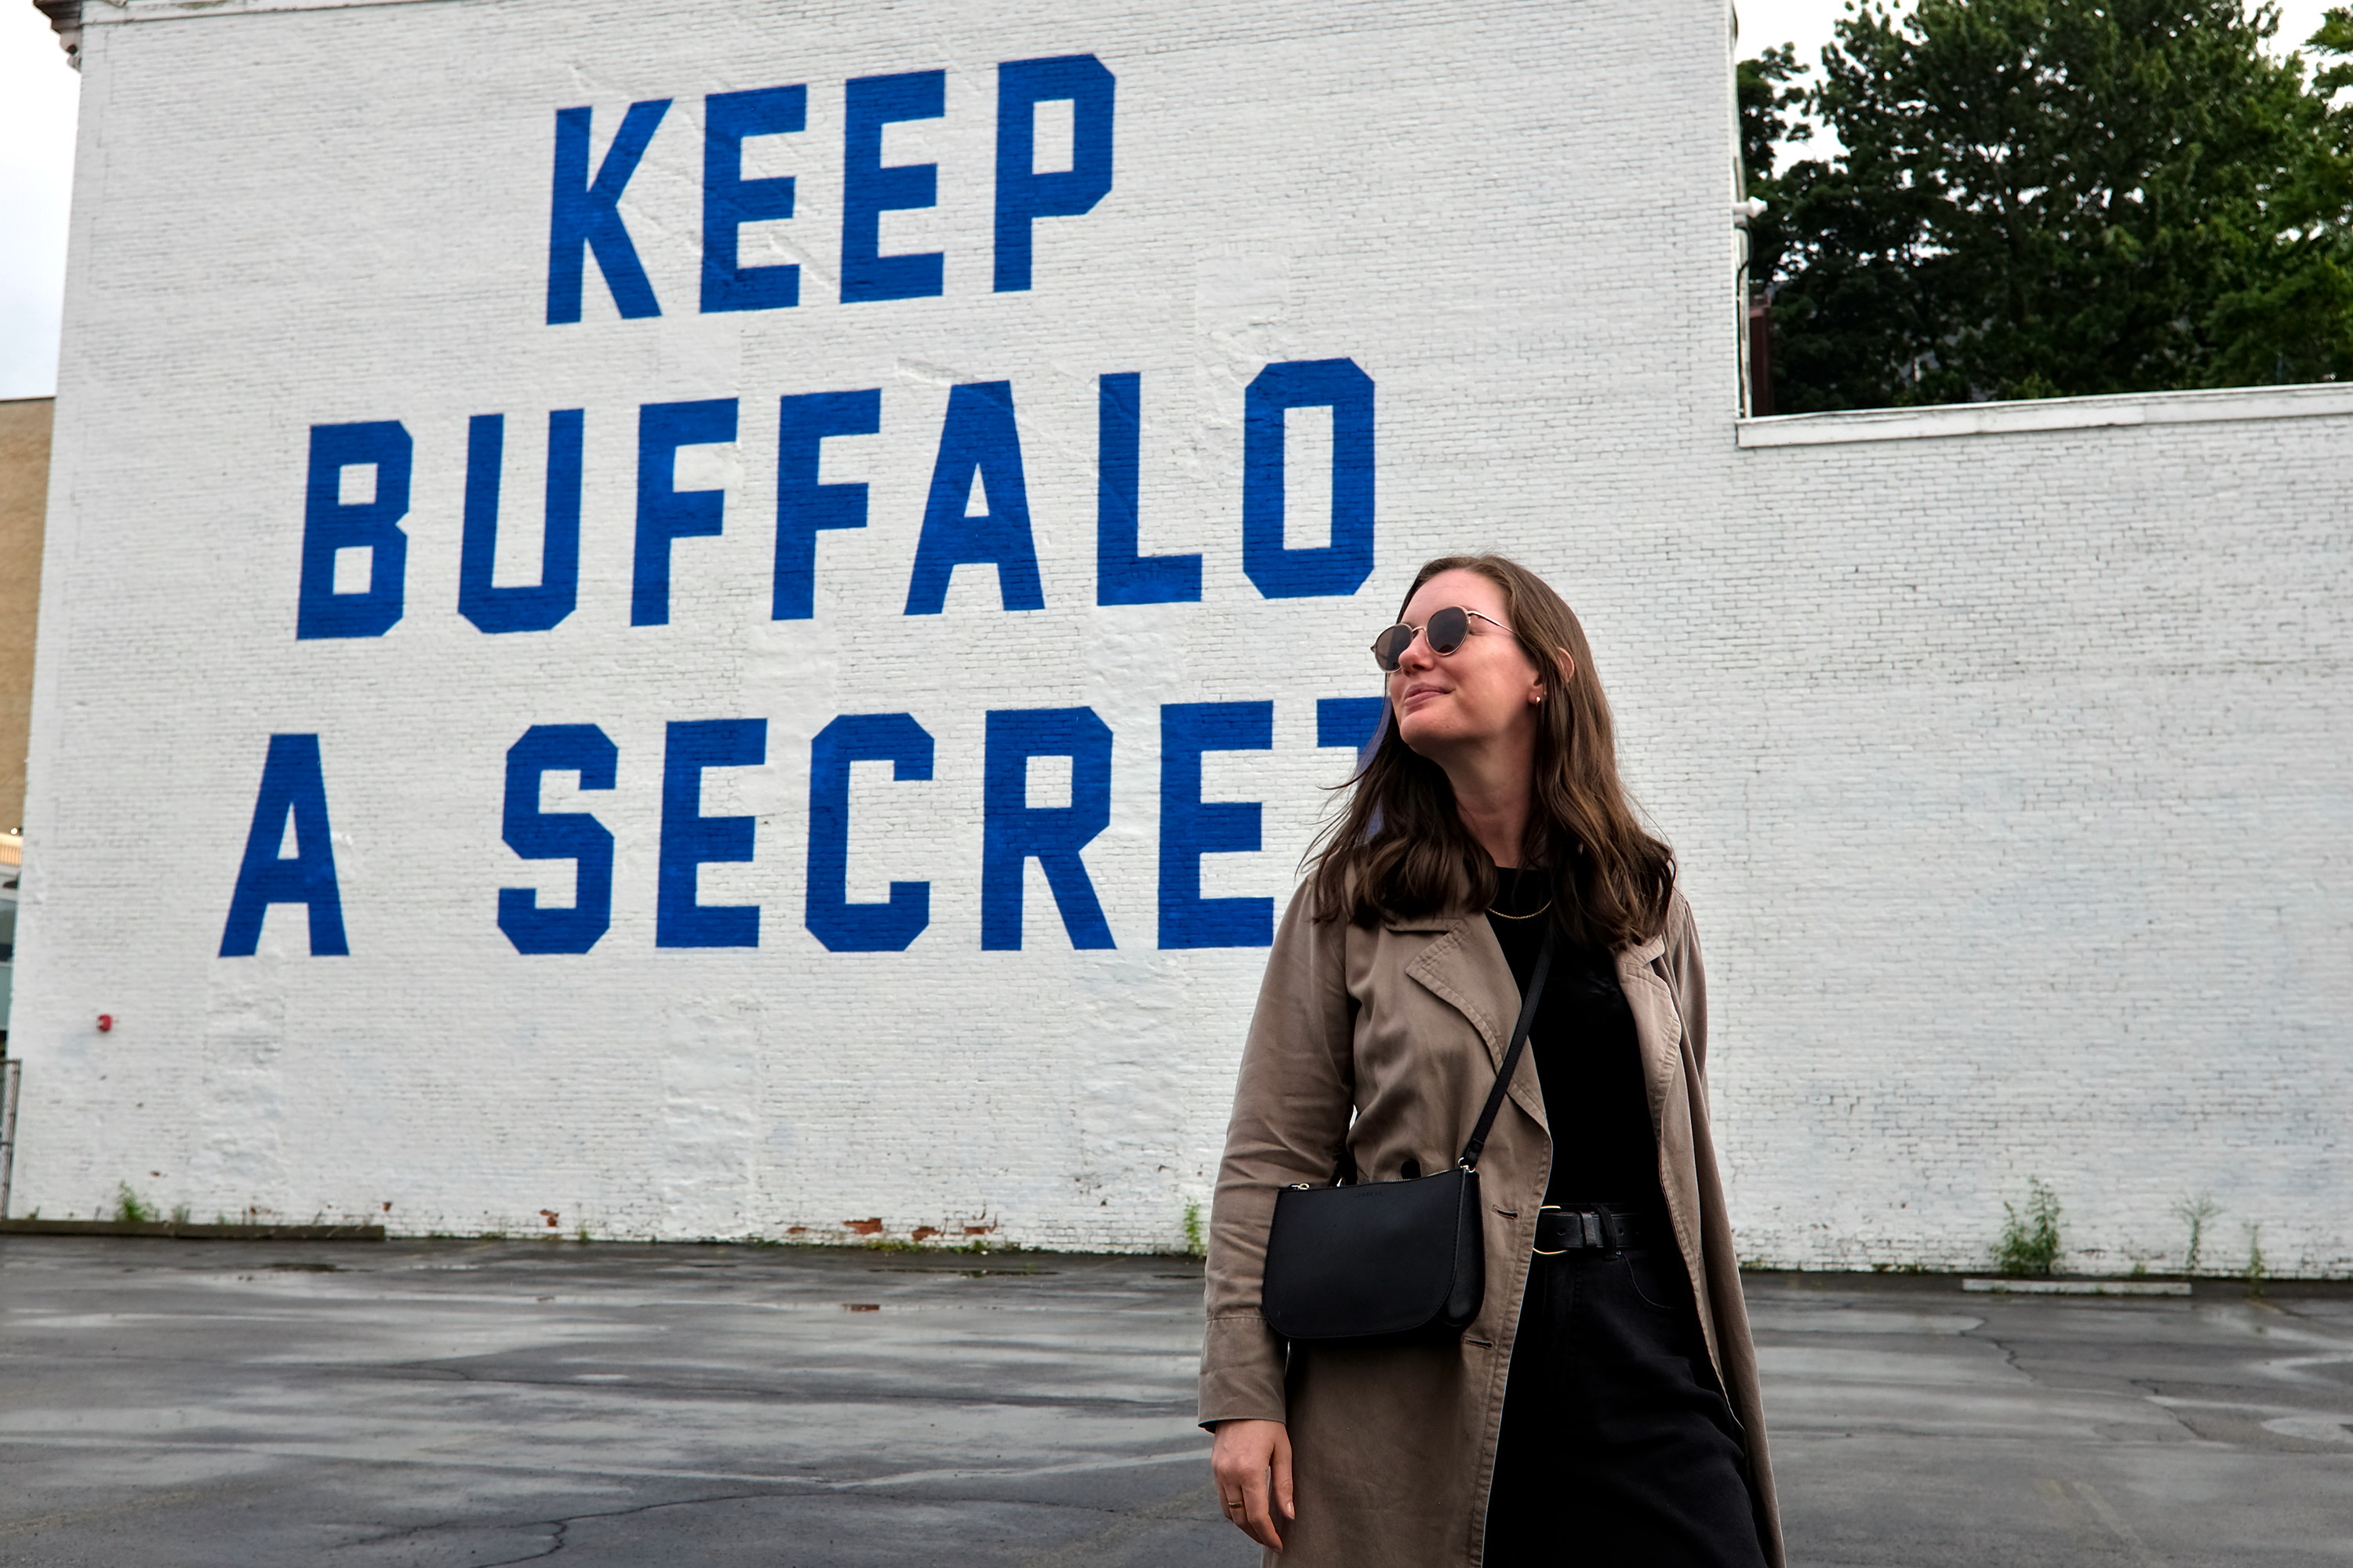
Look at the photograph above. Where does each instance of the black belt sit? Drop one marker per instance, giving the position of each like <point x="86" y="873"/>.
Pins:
<point x="1588" y="1230"/>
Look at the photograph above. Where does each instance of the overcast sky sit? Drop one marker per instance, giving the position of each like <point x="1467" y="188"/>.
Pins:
<point x="1807" y="24"/>
<point x="38" y="92"/>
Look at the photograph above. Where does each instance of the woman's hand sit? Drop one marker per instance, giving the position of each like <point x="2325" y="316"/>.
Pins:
<point x="1252" y="1461"/>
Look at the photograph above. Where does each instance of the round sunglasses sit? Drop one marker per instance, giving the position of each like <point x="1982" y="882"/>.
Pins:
<point x="1447" y="630"/>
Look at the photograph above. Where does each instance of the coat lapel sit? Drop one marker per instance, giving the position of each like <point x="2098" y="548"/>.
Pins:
<point x="1464" y="967"/>
<point x="1658" y="1025"/>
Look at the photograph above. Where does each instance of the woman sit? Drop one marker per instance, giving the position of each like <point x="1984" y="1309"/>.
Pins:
<point x="1603" y="1408"/>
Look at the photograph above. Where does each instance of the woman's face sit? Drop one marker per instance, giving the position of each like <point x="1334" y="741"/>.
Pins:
<point x="1479" y="693"/>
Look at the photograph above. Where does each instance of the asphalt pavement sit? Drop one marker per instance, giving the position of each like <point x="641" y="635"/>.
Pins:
<point x="191" y="1403"/>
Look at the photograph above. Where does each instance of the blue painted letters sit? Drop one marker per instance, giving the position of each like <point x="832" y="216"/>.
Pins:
<point x="977" y="436"/>
<point x="1191" y="827"/>
<point x="1013" y="831"/>
<point x="587" y="217"/>
<point x="871" y="188"/>
<point x="585" y="210"/>
<point x="1339" y="568"/>
<point x="730" y="201"/>
<point x="374" y="526"/>
<point x="1023" y="195"/>
<point x="691" y="839"/>
<point x="1121" y="575"/>
<point x="535" y="834"/>
<point x="1352" y="722"/>
<point x="293" y="783"/>
<point x="665" y="514"/>
<point x="833" y="919"/>
<point x="805" y="507"/>
<point x="543" y="604"/>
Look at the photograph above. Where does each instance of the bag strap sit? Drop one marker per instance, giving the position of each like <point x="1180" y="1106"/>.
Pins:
<point x="1469" y="1160"/>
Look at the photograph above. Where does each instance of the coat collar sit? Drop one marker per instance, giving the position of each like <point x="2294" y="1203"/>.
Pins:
<point x="1463" y="966"/>
<point x="1658" y="1025"/>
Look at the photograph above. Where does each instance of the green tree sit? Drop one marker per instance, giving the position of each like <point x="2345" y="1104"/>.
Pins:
<point x="2055" y="197"/>
<point x="1772" y="112"/>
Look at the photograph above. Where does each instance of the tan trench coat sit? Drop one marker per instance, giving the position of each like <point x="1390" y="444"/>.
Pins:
<point x="1405" y="1027"/>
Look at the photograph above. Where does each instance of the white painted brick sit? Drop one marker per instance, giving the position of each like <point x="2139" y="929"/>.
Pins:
<point x="2007" y="772"/>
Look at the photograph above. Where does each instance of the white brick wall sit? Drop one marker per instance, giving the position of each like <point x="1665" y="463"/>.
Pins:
<point x="2006" y="770"/>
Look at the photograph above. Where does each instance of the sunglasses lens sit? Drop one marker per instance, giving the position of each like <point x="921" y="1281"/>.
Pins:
<point x="1390" y="646"/>
<point x="1447" y="630"/>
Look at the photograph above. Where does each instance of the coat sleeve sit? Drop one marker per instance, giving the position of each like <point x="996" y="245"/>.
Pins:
<point x="1726" y="1299"/>
<point x="1290" y="1123"/>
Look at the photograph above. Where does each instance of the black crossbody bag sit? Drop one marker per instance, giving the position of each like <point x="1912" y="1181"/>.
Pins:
<point x="1390" y="1260"/>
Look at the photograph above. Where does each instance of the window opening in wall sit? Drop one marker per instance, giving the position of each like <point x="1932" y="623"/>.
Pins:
<point x="1965" y="202"/>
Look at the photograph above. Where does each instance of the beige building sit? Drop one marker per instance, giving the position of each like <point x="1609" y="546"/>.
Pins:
<point x="24" y="496"/>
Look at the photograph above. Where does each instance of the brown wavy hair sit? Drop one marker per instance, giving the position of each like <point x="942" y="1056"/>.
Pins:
<point x="1400" y="850"/>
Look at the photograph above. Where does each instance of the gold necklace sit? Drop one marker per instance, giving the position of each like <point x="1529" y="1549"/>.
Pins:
<point x="1531" y="915"/>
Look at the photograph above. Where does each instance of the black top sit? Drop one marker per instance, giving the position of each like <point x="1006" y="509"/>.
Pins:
<point x="1603" y="1150"/>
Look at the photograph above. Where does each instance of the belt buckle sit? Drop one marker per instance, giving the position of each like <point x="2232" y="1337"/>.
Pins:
<point x="1542" y="1252"/>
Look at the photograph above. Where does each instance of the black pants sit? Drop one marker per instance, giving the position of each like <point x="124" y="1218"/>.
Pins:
<point x="1617" y="1447"/>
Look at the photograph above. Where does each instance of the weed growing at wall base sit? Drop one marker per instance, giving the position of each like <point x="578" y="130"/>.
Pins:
<point x="2196" y="1213"/>
<point x="1195" y="1247"/>
<point x="2029" y="1241"/>
<point x="128" y="1207"/>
